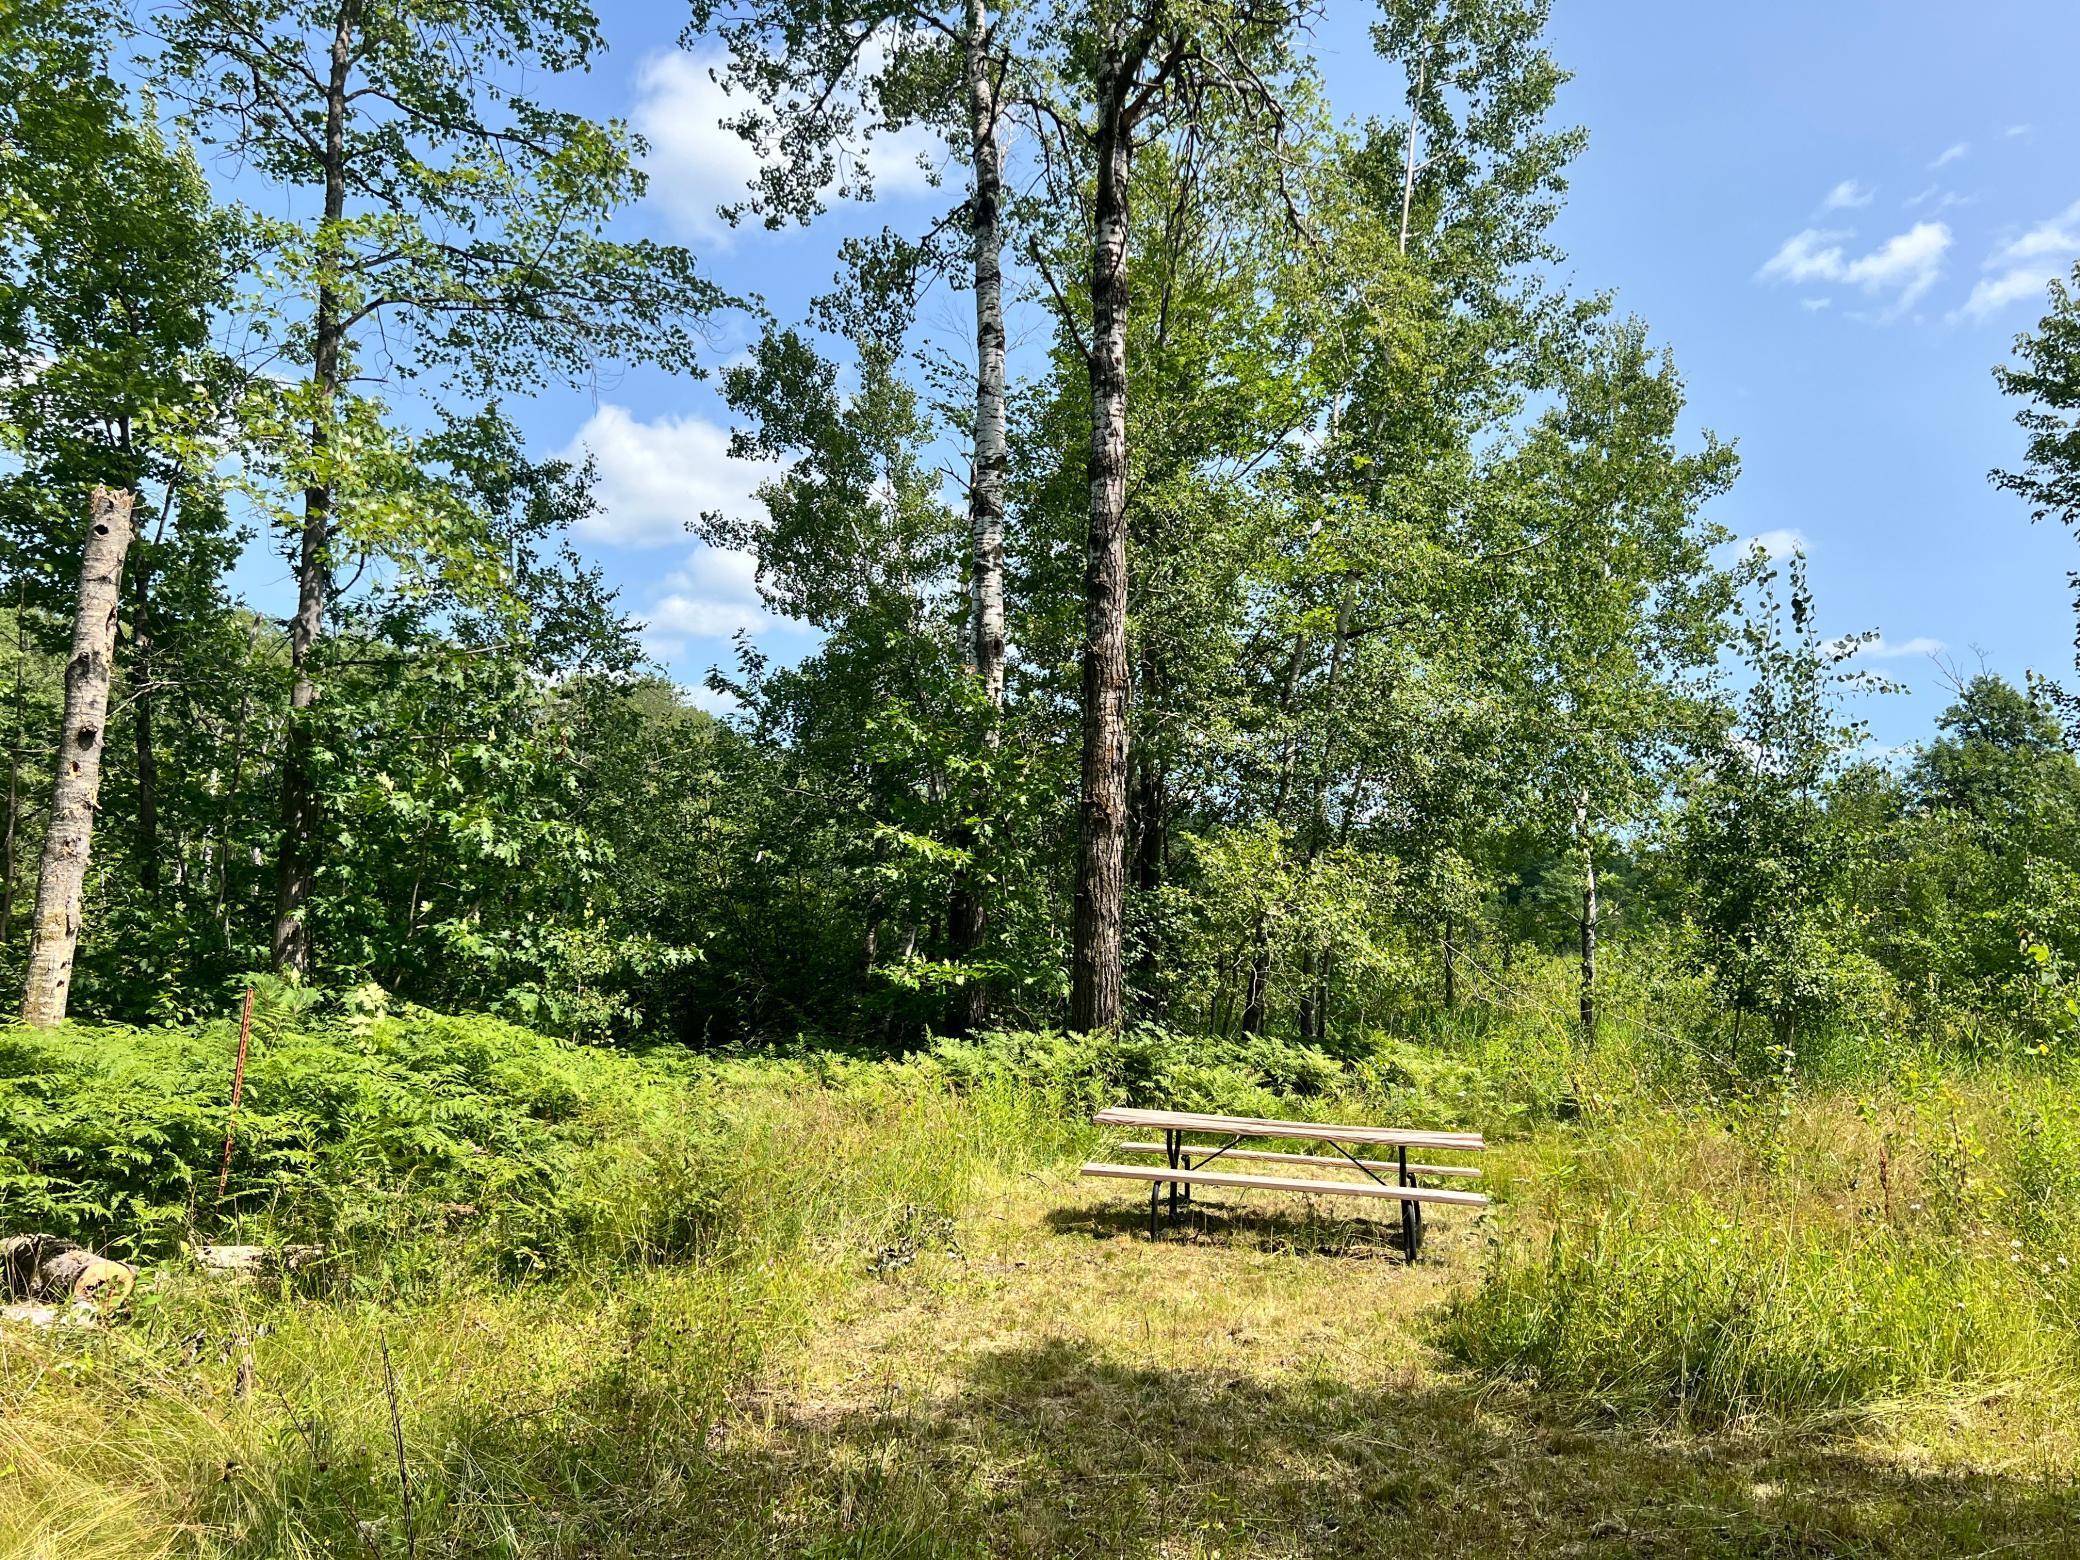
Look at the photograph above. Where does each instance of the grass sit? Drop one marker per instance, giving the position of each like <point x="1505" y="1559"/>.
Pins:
<point x="901" y="1326"/>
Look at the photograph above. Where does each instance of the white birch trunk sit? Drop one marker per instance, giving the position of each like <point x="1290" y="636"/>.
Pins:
<point x="69" y="842"/>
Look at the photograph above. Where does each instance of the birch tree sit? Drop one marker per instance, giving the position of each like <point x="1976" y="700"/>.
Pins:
<point x="1634" y="611"/>
<point x="68" y="841"/>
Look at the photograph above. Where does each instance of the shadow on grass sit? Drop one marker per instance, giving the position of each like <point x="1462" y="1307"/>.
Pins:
<point x="1052" y="1450"/>
<point x="1287" y="1227"/>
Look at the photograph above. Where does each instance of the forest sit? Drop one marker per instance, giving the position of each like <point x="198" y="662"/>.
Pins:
<point x="1304" y="675"/>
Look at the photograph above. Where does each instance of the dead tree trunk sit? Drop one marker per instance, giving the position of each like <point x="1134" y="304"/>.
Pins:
<point x="1095" y="973"/>
<point x="69" y="840"/>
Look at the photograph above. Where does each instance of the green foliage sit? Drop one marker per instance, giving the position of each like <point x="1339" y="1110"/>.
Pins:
<point x="1254" y="1075"/>
<point x="1758" y="842"/>
<point x="364" y="1130"/>
<point x="2047" y="380"/>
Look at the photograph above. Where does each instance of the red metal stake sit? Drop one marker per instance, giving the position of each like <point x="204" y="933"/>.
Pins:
<point x="238" y="1089"/>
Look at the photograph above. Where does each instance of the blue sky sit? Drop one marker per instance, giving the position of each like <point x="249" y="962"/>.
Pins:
<point x="1838" y="214"/>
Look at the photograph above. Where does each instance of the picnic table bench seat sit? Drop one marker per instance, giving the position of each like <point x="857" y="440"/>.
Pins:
<point x="1326" y="1161"/>
<point x="1181" y="1173"/>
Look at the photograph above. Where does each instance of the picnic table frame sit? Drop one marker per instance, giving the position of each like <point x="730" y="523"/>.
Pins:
<point x="1174" y="1125"/>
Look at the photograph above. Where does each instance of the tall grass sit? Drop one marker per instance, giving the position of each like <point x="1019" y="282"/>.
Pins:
<point x="1835" y="1258"/>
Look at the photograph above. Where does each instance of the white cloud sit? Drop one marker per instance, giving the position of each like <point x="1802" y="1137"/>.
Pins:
<point x="1883" y="649"/>
<point x="702" y="697"/>
<point x="1815" y="305"/>
<point x="696" y="165"/>
<point x="2025" y="266"/>
<point x="1780" y="543"/>
<point x="654" y="477"/>
<point x="1951" y="154"/>
<point x="2059" y="236"/>
<point x="1848" y="196"/>
<point x="1811" y="256"/>
<point x="1905" y="265"/>
<point x="2016" y="130"/>
<point x="1991" y="294"/>
<point x="1943" y="199"/>
<point x="712" y="597"/>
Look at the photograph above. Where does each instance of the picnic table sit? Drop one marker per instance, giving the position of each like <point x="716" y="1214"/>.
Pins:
<point x="1184" y="1165"/>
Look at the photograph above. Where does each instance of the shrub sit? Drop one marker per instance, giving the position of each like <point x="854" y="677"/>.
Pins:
<point x="368" y="1127"/>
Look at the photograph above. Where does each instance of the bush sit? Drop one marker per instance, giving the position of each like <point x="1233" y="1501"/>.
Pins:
<point x="363" y="1127"/>
<point x="1256" y="1075"/>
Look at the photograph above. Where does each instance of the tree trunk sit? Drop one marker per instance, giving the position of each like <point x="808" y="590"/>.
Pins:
<point x="992" y="455"/>
<point x="1094" y="988"/>
<point x="237" y="782"/>
<point x="69" y="840"/>
<point x="1148" y="822"/>
<point x="1256" y="996"/>
<point x="1588" y="848"/>
<point x="295" y="866"/>
<point x="967" y="912"/>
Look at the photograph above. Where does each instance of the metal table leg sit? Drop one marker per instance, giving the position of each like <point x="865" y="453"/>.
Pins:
<point x="1174" y="1142"/>
<point x="1411" y="1216"/>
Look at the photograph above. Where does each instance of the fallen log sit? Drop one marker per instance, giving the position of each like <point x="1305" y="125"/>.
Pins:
<point x="51" y="1268"/>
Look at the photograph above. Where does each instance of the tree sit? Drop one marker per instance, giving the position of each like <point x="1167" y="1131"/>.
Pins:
<point x="1633" y="610"/>
<point x="119" y="265"/>
<point x="2048" y="381"/>
<point x="828" y="80"/>
<point x="1760" y="851"/>
<point x="1222" y="78"/>
<point x="68" y="841"/>
<point x="2048" y="378"/>
<point x="458" y="227"/>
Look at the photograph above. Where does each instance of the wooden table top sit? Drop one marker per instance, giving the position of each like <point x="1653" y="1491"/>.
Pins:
<point x="1260" y="1126"/>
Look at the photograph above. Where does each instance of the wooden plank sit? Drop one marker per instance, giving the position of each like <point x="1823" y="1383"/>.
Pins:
<point x="1279" y="1183"/>
<point x="1259" y="1126"/>
<point x="1335" y="1162"/>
